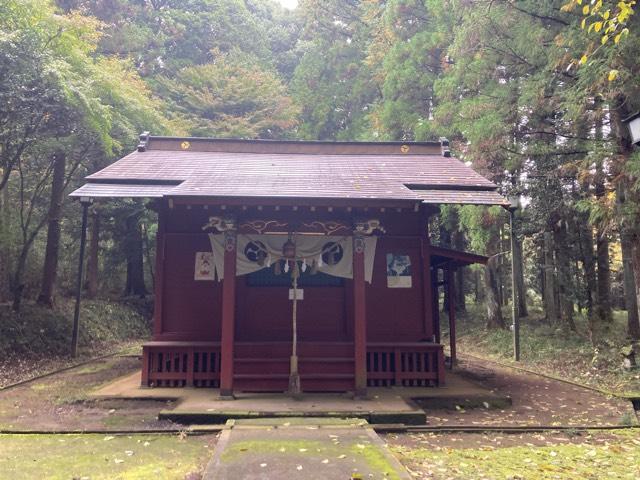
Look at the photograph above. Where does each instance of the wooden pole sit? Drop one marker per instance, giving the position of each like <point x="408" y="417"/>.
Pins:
<point x="294" y="376"/>
<point x="76" y="313"/>
<point x="451" y="290"/>
<point x="227" y="337"/>
<point x="359" y="317"/>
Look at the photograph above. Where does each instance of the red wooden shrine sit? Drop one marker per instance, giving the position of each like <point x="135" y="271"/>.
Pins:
<point x="371" y="319"/>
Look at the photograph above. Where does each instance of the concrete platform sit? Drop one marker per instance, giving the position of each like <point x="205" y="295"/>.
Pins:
<point x="302" y="448"/>
<point x="393" y="405"/>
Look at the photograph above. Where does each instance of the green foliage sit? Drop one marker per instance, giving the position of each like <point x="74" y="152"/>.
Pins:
<point x="332" y="82"/>
<point x="231" y="97"/>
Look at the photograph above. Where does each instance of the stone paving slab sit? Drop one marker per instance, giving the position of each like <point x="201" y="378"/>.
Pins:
<point x="383" y="405"/>
<point x="302" y="448"/>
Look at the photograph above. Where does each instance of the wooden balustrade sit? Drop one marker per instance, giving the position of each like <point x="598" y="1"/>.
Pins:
<point x="264" y="366"/>
<point x="181" y="364"/>
<point x="405" y="364"/>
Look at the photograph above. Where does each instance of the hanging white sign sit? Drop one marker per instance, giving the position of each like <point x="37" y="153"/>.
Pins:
<point x="205" y="268"/>
<point x="299" y="294"/>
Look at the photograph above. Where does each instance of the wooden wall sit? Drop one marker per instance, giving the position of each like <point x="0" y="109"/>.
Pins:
<point x="192" y="309"/>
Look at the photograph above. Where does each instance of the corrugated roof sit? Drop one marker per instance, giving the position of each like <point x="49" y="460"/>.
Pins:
<point x="196" y="170"/>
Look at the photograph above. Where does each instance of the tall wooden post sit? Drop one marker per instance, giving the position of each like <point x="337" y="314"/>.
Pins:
<point x="451" y="292"/>
<point x="227" y="337"/>
<point x="76" y="312"/>
<point x="359" y="317"/>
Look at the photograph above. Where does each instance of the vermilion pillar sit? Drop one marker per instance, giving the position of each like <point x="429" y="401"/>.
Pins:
<point x="360" y="323"/>
<point x="227" y="337"/>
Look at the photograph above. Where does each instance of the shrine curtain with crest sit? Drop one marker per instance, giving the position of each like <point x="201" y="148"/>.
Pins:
<point x="332" y="255"/>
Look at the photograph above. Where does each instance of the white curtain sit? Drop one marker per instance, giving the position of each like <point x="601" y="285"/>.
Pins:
<point x="309" y="248"/>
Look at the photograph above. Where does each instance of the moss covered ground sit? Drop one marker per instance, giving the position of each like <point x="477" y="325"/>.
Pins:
<point x="109" y="457"/>
<point x="615" y="457"/>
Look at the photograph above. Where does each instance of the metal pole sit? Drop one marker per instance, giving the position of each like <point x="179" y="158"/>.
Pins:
<point x="76" y="313"/>
<point x="514" y="294"/>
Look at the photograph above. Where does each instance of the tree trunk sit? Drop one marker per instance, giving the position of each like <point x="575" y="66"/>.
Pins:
<point x="550" y="306"/>
<point x="445" y="241"/>
<point x="630" y="299"/>
<point x="494" y="313"/>
<point x="135" y="263"/>
<point x="565" y="284"/>
<point x="5" y="253"/>
<point x="603" y="292"/>
<point x="18" y="286"/>
<point x="521" y="306"/>
<point x="628" y="209"/>
<point x="603" y="310"/>
<point x="50" y="269"/>
<point x="461" y="305"/>
<point x="93" y="255"/>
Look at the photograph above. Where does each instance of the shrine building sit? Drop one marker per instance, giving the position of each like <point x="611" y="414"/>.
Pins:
<point x="294" y="265"/>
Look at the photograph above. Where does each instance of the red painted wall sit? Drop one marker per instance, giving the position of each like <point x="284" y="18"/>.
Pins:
<point x="192" y="309"/>
<point x="395" y="314"/>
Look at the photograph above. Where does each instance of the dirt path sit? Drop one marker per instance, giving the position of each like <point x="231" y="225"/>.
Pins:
<point x="60" y="402"/>
<point x="536" y="401"/>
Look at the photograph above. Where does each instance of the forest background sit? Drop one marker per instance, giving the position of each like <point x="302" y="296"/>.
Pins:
<point x="532" y="94"/>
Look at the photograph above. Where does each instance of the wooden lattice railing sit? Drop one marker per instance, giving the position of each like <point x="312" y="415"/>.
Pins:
<point x="197" y="364"/>
<point x="405" y="364"/>
<point x="181" y="364"/>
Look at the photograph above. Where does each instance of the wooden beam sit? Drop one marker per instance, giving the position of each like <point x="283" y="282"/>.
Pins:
<point x="227" y="336"/>
<point x="354" y="203"/>
<point x="359" y="318"/>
